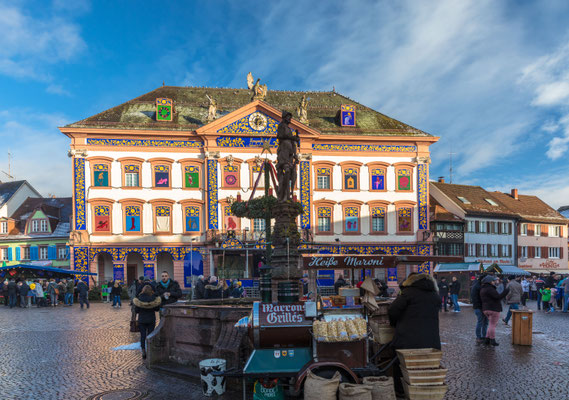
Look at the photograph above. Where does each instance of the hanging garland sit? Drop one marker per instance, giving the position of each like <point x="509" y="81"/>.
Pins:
<point x="257" y="207"/>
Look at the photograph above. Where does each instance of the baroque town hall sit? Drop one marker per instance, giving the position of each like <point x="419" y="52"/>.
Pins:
<point x="154" y="179"/>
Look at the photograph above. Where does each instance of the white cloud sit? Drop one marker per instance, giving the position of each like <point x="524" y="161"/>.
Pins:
<point x="29" y="45"/>
<point x="57" y="89"/>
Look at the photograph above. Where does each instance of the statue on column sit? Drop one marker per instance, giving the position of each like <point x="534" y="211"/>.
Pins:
<point x="212" y="109"/>
<point x="287" y="158"/>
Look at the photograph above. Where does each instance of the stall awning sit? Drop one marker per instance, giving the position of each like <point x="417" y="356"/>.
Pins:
<point x="38" y="271"/>
<point x="506" y="270"/>
<point x="457" y="267"/>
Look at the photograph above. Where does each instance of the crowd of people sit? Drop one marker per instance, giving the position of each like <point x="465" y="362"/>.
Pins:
<point x="25" y="293"/>
<point x="213" y="288"/>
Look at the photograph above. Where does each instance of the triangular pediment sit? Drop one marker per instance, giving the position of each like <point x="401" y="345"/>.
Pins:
<point x="256" y="119"/>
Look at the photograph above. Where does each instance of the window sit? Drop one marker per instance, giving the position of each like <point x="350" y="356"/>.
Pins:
<point x="231" y="222"/>
<point x="405" y="220"/>
<point x="101" y="175"/>
<point x="377" y="179"/>
<point x="43" y="252"/>
<point x="324" y="219"/>
<point x="131" y="168"/>
<point x="404" y="179"/>
<point x="4" y="254"/>
<point x="505" y="250"/>
<point x="323" y="178"/>
<point x="537" y="252"/>
<point x="483" y="250"/>
<point x="472" y="249"/>
<point x="554" y="231"/>
<point x="192" y="219"/>
<point x="61" y="253"/>
<point x="493" y="250"/>
<point x="454" y="249"/>
<point x="524" y="229"/>
<point x="537" y="230"/>
<point x="494" y="226"/>
<point x="259" y="224"/>
<point x="554" y="252"/>
<point x="4" y="227"/>
<point x="163" y="215"/>
<point x="25" y="253"/>
<point x="191" y="177"/>
<point x="162" y="176"/>
<point x="471" y="226"/>
<point x="132" y="219"/>
<point x="482" y="226"/>
<point x="492" y="202"/>
<point x="35" y="225"/>
<point x="351" y="179"/>
<point x="231" y="176"/>
<point x="523" y="252"/>
<point x="463" y="199"/>
<point x="505" y="228"/>
<point x="43" y="225"/>
<point x="351" y="219"/>
<point x="101" y="218"/>
<point x="378" y="220"/>
<point x="131" y="178"/>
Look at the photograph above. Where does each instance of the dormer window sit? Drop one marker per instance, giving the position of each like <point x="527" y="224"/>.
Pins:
<point x="38" y="225"/>
<point x="492" y="202"/>
<point x="463" y="199"/>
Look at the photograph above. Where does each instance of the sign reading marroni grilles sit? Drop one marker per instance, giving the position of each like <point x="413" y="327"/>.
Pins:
<point x="282" y="314"/>
<point x="348" y="115"/>
<point x="163" y="109"/>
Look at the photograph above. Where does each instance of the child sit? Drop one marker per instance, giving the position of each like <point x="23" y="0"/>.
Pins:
<point x="545" y="298"/>
<point x="553" y="300"/>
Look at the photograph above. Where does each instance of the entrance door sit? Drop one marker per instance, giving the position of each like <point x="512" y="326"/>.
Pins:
<point x="130" y="273"/>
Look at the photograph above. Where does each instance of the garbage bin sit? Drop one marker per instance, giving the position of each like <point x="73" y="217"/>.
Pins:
<point x="522" y="325"/>
<point x="211" y="383"/>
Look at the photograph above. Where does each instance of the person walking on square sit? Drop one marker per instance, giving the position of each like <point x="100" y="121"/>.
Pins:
<point x="545" y="298"/>
<point x="481" y="319"/>
<point x="40" y="300"/>
<point x="83" y="291"/>
<point x="24" y="289"/>
<point x="454" y="292"/>
<point x="565" y="286"/>
<point x="539" y="284"/>
<point x="443" y="291"/>
<point x="116" y="292"/>
<point x="525" y="291"/>
<point x="62" y="287"/>
<point x="513" y="298"/>
<point x="146" y="304"/>
<point x="12" y="293"/>
<point x="70" y="292"/>
<point x="491" y="306"/>
<point x="533" y="289"/>
<point x="52" y="291"/>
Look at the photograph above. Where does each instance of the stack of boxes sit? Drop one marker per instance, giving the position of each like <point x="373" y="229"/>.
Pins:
<point x="423" y="375"/>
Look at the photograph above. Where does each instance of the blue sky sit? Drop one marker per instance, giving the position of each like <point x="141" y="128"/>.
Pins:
<point x="491" y="78"/>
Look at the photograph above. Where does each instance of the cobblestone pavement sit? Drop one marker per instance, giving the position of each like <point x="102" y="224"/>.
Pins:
<point x="66" y="353"/>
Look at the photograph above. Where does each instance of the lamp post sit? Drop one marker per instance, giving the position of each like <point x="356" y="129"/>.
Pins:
<point x="246" y="275"/>
<point x="192" y="267"/>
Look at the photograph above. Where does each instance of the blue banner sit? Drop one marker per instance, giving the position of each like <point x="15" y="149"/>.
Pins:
<point x="118" y="272"/>
<point x="149" y="271"/>
<point x="193" y="265"/>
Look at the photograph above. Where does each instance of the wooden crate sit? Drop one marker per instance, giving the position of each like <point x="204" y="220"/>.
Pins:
<point x="419" y="358"/>
<point x="436" y="392"/>
<point x="425" y="377"/>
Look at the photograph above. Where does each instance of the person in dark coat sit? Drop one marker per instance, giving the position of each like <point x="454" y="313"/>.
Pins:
<point x="116" y="293"/>
<point x="4" y="292"/>
<point x="12" y="293"/>
<point x="168" y="289"/>
<point x="24" y="289"/>
<point x="481" y="319"/>
<point x="83" y="291"/>
<point x="454" y="289"/>
<point x="146" y="304"/>
<point x="382" y="287"/>
<point x="443" y="292"/>
<point x="491" y="306"/>
<point x="199" y="291"/>
<point x="214" y="289"/>
<point x="339" y="283"/>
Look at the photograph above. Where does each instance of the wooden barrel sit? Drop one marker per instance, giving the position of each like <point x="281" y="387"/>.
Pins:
<point x="265" y="288"/>
<point x="288" y="292"/>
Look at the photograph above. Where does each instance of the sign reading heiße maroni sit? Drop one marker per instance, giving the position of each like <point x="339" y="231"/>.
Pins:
<point x="348" y="261"/>
<point x="281" y="314"/>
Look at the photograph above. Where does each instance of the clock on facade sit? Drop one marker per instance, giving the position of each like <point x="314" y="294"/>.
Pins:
<point x="258" y="121"/>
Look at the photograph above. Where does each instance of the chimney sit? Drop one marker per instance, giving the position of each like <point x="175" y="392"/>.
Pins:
<point x="441" y="179"/>
<point x="515" y="193"/>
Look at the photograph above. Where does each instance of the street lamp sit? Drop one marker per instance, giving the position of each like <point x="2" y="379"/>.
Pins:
<point x="192" y="240"/>
<point x="246" y="275"/>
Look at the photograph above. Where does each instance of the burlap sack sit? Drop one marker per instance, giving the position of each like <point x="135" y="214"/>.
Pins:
<point x="318" y="388"/>
<point x="349" y="391"/>
<point x="382" y="387"/>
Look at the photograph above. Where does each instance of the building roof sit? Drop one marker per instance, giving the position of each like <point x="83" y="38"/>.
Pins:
<point x="564" y="211"/>
<point x="439" y="213"/>
<point x="57" y="209"/>
<point x="478" y="201"/>
<point x="531" y="208"/>
<point x="8" y="189"/>
<point x="191" y="110"/>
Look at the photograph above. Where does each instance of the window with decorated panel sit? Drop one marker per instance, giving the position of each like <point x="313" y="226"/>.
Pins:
<point x="351" y="219"/>
<point x="324" y="215"/>
<point x="231" y="176"/>
<point x="101" y="218"/>
<point x="191" y="176"/>
<point x="131" y="175"/>
<point x="405" y="219"/>
<point x="101" y="175"/>
<point x="163" y="217"/>
<point x="192" y="218"/>
<point x="378" y="220"/>
<point x="132" y="218"/>
<point x="162" y="176"/>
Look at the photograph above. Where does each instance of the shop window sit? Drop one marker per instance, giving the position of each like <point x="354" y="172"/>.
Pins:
<point x="163" y="215"/>
<point x="162" y="176"/>
<point x="102" y="218"/>
<point x="378" y="220"/>
<point x="323" y="178"/>
<point x="132" y="218"/>
<point x="101" y="175"/>
<point x="405" y="220"/>
<point x="192" y="218"/>
<point x="191" y="177"/>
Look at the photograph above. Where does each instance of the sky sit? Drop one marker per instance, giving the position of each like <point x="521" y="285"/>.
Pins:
<point x="490" y="78"/>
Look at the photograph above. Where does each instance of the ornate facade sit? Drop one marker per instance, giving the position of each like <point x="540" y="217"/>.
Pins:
<point x="155" y="194"/>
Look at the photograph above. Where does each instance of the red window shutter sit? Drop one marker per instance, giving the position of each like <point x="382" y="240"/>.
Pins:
<point x="561" y="231"/>
<point x="488" y="227"/>
<point x="477" y="226"/>
<point x="531" y="252"/>
<point x="499" y="227"/>
<point x="545" y="230"/>
<point x="519" y="251"/>
<point x="519" y="228"/>
<point x="466" y="250"/>
<point x="545" y="252"/>
<point x="561" y="252"/>
<point x="531" y="229"/>
<point x="500" y="252"/>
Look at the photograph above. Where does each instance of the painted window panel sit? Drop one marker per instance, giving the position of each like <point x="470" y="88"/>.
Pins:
<point x="102" y="219"/>
<point x="100" y="175"/>
<point x="231" y="176"/>
<point x="404" y="216"/>
<point x="192" y="177"/>
<point x="351" y="179"/>
<point x="132" y="219"/>
<point x="378" y="179"/>
<point x="231" y="221"/>
<point x="192" y="215"/>
<point x="162" y="176"/>
<point x="351" y="217"/>
<point x="404" y="179"/>
<point x="163" y="219"/>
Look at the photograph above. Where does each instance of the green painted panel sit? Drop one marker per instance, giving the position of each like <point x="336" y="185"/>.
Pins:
<point x="281" y="360"/>
<point x="39" y="214"/>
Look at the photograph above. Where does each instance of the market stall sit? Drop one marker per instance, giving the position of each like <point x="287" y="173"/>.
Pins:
<point x="27" y="271"/>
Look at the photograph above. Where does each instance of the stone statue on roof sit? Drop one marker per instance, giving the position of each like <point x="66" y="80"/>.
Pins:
<point x="259" y="91"/>
<point x="250" y="80"/>
<point x="302" y="110"/>
<point x="212" y="109"/>
<point x="287" y="158"/>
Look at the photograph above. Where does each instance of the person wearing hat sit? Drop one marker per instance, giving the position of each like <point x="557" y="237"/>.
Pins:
<point x="491" y="306"/>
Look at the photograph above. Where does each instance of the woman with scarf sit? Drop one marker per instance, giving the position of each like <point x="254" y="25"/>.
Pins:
<point x="146" y="304"/>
